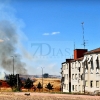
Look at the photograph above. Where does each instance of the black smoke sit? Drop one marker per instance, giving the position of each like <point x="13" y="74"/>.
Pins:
<point x="8" y="47"/>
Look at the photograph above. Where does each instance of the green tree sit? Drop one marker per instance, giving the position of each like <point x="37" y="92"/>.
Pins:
<point x="39" y="86"/>
<point x="49" y="86"/>
<point x="0" y="85"/>
<point x="12" y="81"/>
<point x="28" y="84"/>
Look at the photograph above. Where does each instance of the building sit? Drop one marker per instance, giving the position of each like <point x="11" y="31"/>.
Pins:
<point x="82" y="73"/>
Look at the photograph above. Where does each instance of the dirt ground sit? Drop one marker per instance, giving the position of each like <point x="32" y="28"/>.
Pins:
<point x="44" y="96"/>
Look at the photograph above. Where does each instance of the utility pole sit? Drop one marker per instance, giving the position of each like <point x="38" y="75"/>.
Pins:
<point x="84" y="76"/>
<point x="13" y="63"/>
<point x="17" y="75"/>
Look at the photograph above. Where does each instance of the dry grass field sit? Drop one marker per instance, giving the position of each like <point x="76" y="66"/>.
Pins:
<point x="6" y="93"/>
<point x="54" y="81"/>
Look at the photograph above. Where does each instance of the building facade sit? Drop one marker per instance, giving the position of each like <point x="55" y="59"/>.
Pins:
<point x="81" y="74"/>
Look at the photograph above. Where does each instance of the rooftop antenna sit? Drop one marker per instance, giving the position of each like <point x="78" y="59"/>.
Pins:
<point x="84" y="43"/>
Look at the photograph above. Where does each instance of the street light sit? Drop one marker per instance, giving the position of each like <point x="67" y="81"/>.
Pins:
<point x="13" y="63"/>
<point x="17" y="75"/>
<point x="42" y="78"/>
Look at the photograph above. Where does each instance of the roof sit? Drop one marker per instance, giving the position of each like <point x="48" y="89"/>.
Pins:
<point x="78" y="59"/>
<point x="80" y="49"/>
<point x="63" y="62"/>
<point x="93" y="51"/>
<point x="81" y="58"/>
<point x="68" y="60"/>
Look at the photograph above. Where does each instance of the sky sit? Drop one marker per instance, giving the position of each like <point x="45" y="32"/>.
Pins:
<point x="49" y="30"/>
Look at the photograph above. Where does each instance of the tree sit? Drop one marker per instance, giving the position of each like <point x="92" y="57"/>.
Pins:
<point x="39" y="86"/>
<point x="28" y="84"/>
<point x="0" y="85"/>
<point x="49" y="86"/>
<point x="12" y="81"/>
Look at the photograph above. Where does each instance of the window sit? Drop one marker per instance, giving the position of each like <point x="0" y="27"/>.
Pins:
<point x="72" y="87"/>
<point x="67" y="76"/>
<point x="67" y="86"/>
<point x="89" y="59"/>
<point x="73" y="76"/>
<point x="86" y="64"/>
<point x="86" y="83"/>
<point x="83" y="88"/>
<point x="72" y="66"/>
<point x="64" y="86"/>
<point x="86" y="70"/>
<point x="76" y="87"/>
<point x="97" y="84"/>
<point x="79" y="76"/>
<point x="92" y="67"/>
<point x="82" y="77"/>
<point x="97" y="65"/>
<point x="79" y="88"/>
<point x="79" y="69"/>
<point x="67" y="66"/>
<point x="91" y="84"/>
<point x="76" y="76"/>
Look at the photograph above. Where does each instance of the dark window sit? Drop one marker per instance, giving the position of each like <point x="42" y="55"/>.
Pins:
<point x="82" y="77"/>
<point x="91" y="67"/>
<point x="97" y="63"/>
<point x="86" y="64"/>
<point x="73" y="87"/>
<point x="79" y="69"/>
<point x="91" y="84"/>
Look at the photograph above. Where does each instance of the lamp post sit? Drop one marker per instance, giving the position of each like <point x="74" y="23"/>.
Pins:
<point x="42" y="78"/>
<point x="17" y="75"/>
<point x="13" y="63"/>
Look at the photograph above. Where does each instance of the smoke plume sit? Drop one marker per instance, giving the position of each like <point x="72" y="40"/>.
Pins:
<point x="8" y="47"/>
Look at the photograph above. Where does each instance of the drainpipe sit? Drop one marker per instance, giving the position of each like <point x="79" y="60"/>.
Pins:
<point x="84" y="76"/>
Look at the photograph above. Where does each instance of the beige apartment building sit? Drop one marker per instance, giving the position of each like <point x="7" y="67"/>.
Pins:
<point x="82" y="73"/>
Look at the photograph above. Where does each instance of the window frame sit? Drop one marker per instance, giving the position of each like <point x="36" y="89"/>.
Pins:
<point x="97" y="86"/>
